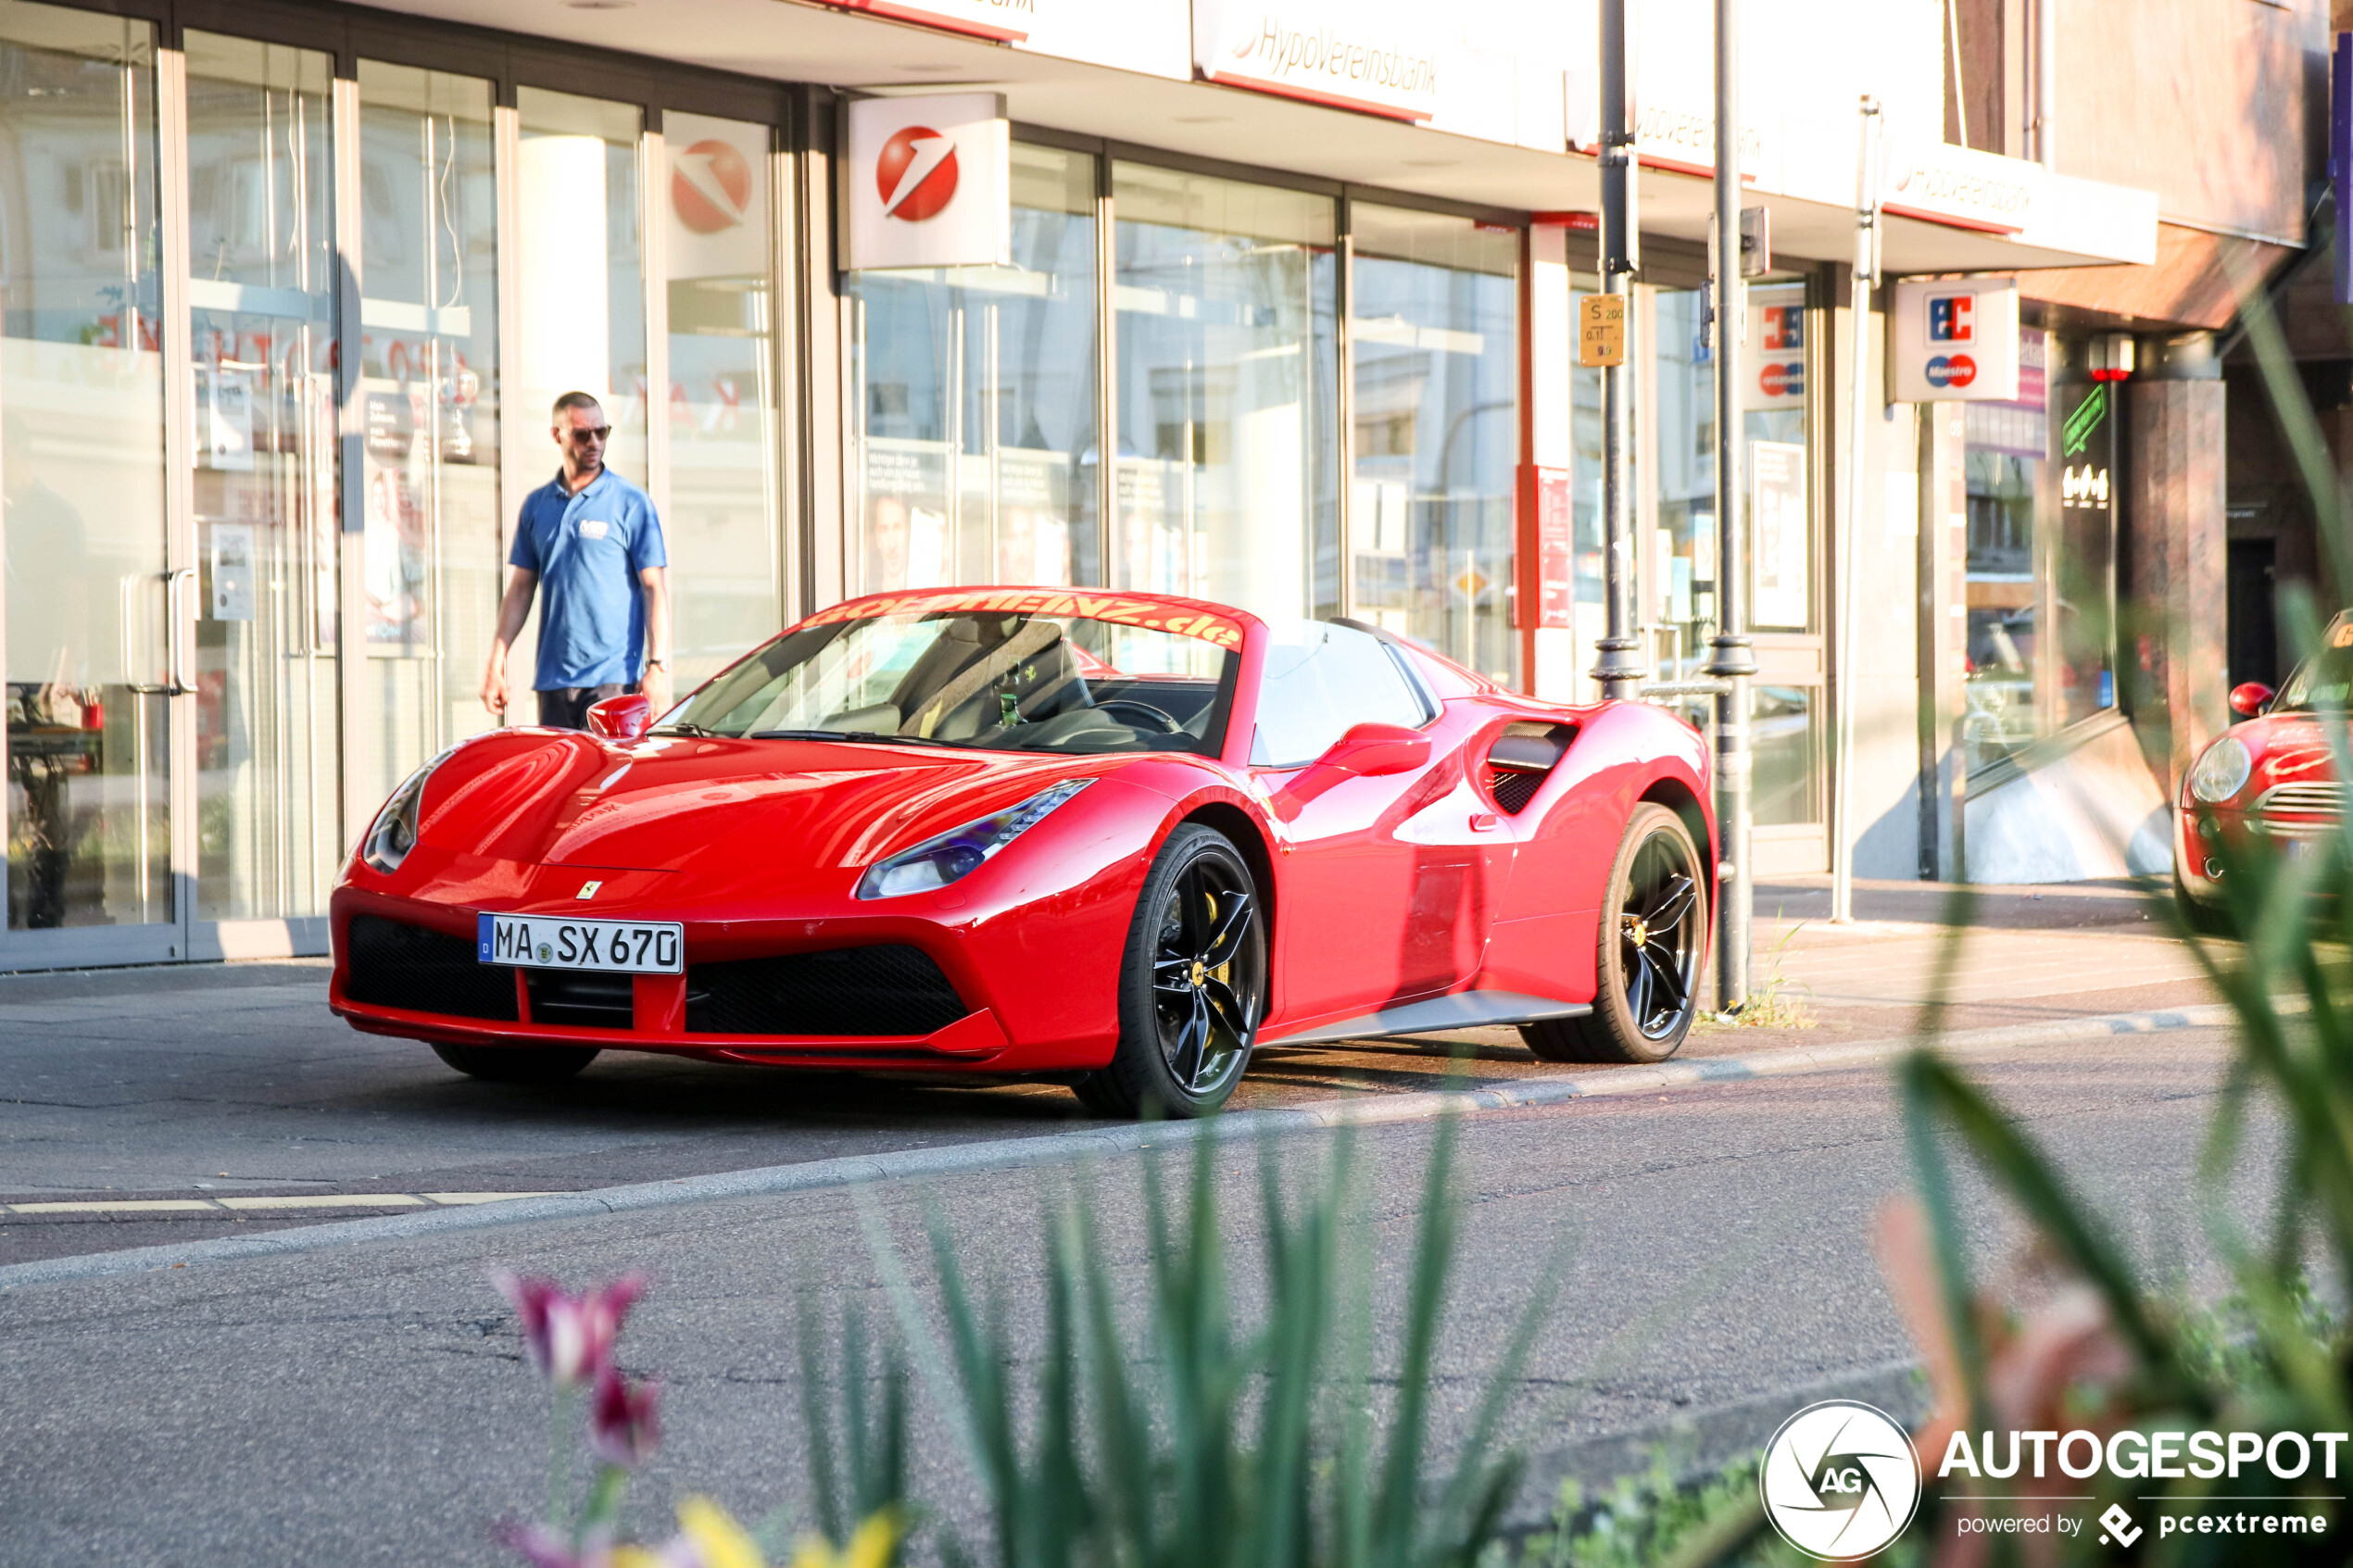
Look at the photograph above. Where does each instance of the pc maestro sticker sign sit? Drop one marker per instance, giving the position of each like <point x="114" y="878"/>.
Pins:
<point x="1955" y="342"/>
<point x="930" y="181"/>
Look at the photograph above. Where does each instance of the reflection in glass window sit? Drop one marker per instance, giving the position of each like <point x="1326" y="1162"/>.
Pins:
<point x="1321" y="681"/>
<point x="261" y="296"/>
<point x="974" y="402"/>
<point x="429" y="391"/>
<point x="721" y="527"/>
<point x="81" y="473"/>
<point x="1434" y="320"/>
<point x="2042" y="558"/>
<point x="1227" y="373"/>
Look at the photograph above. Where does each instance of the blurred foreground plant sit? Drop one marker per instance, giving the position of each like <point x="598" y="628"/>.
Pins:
<point x="1187" y="1438"/>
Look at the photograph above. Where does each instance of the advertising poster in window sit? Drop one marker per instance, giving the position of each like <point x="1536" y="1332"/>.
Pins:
<point x="1780" y="567"/>
<point x="907" y="511"/>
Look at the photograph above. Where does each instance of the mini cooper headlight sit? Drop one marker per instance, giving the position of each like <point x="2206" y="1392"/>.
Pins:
<point x="958" y="853"/>
<point x="394" y="833"/>
<point x="2222" y="771"/>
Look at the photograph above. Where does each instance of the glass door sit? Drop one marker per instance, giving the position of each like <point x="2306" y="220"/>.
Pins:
<point x="89" y="666"/>
<point x="264" y="616"/>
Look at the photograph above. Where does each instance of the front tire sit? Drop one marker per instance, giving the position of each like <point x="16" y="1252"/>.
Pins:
<point x="517" y="1064"/>
<point x="2206" y="919"/>
<point x="1192" y="984"/>
<point x="1651" y="941"/>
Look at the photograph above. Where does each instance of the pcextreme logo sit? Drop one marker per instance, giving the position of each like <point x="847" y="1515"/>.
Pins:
<point x="1839" y="1480"/>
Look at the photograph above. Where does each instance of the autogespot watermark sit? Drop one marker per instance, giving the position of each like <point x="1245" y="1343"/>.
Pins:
<point x="1840" y="1481"/>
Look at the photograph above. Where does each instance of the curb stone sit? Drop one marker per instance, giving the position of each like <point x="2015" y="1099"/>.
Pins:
<point x="1106" y="1143"/>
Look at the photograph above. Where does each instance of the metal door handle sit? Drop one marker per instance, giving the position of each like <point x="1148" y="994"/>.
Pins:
<point x="176" y="626"/>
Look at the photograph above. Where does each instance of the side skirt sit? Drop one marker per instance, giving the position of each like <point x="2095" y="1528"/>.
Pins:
<point x="1464" y="1009"/>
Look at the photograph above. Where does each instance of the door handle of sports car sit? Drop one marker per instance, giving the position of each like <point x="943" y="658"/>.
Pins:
<point x="1485" y="822"/>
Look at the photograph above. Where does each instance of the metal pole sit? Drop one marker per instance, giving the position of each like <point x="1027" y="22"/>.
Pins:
<point x="2046" y="83"/>
<point x="1619" y="666"/>
<point x="1734" y="662"/>
<point x="1866" y="192"/>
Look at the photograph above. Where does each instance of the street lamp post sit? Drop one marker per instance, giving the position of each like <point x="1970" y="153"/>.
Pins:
<point x="1618" y="664"/>
<point x="1732" y="660"/>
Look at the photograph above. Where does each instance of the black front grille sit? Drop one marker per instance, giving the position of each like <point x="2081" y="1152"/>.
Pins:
<point x="583" y="998"/>
<point x="394" y="964"/>
<point x="1513" y="788"/>
<point x="854" y="991"/>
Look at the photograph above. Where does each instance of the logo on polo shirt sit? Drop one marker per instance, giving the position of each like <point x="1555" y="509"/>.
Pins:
<point x="594" y="528"/>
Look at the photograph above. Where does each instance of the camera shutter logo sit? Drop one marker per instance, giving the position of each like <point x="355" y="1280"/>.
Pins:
<point x="1839" y="1480"/>
<point x="915" y="174"/>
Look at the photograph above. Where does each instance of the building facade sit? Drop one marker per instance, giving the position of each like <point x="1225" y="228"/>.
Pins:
<point x="1285" y="319"/>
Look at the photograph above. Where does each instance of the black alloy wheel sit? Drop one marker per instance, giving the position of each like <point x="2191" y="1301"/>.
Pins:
<point x="517" y="1064"/>
<point x="1192" y="987"/>
<point x="1651" y="941"/>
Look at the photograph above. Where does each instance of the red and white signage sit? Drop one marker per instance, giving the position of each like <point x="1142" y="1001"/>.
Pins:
<point x="1773" y="360"/>
<point x="1008" y="21"/>
<point x="1955" y="342"/>
<point x="1376" y="56"/>
<point x="929" y="181"/>
<point x="718" y="197"/>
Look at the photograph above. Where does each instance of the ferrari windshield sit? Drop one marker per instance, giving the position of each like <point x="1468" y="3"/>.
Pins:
<point x="986" y="679"/>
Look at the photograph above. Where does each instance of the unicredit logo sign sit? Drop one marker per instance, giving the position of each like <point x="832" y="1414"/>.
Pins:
<point x="915" y="174"/>
<point x="711" y="187"/>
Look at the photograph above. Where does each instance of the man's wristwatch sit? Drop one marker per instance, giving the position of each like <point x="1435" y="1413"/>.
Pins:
<point x="657" y="664"/>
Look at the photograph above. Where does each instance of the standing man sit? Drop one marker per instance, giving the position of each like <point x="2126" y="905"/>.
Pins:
<point x="604" y="622"/>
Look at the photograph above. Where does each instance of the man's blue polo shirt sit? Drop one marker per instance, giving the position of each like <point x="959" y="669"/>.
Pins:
<point x="588" y="549"/>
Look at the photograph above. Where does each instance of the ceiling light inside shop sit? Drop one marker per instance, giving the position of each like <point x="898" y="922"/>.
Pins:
<point x="1431" y="162"/>
<point x="926" y="69"/>
<point x="1204" y="119"/>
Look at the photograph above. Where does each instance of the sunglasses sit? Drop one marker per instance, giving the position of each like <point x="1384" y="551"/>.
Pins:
<point x="594" y="432"/>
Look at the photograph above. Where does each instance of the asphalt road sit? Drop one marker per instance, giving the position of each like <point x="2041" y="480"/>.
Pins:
<point x="141" y="1106"/>
<point x="365" y="1403"/>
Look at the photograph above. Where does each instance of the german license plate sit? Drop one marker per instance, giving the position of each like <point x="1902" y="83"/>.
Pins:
<point x="616" y="947"/>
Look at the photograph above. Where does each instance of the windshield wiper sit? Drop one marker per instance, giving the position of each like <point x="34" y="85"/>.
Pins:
<point x="867" y="735"/>
<point x="683" y="728"/>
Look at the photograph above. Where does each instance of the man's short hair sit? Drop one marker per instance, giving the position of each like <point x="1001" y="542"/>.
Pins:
<point x="571" y="400"/>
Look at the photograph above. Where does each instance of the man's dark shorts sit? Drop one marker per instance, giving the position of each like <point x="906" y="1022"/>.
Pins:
<point x="566" y="708"/>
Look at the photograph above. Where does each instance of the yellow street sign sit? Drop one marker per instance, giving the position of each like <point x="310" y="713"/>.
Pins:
<point x="1601" y="329"/>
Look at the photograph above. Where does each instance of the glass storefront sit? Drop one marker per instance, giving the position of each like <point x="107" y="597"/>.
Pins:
<point x="1228" y="418"/>
<point x="81" y="401"/>
<point x="2042" y="555"/>
<point x="974" y="398"/>
<point x="1678" y="601"/>
<point x="261" y="302"/>
<point x="1434" y="320"/>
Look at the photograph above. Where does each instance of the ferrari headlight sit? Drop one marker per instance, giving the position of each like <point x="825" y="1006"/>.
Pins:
<point x="958" y="853"/>
<point x="2222" y="771"/>
<point x="394" y="833"/>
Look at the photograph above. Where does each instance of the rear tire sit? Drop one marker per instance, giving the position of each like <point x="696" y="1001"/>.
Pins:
<point x="517" y="1064"/>
<point x="1652" y="937"/>
<point x="1192" y="984"/>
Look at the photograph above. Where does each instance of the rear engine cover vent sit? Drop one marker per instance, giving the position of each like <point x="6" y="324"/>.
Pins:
<point x="1521" y="758"/>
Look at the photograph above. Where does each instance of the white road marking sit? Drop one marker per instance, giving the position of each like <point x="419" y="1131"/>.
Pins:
<point x="303" y="1200"/>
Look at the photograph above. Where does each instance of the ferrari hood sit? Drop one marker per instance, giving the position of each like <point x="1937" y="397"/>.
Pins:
<point x="796" y="810"/>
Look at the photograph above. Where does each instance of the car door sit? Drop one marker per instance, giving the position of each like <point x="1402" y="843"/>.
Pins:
<point x="1386" y="881"/>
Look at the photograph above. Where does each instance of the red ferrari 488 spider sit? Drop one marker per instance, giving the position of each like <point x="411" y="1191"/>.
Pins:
<point x="1116" y="839"/>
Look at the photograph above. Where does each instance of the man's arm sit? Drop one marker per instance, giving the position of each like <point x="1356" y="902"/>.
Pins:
<point x="512" y="611"/>
<point x="656" y="684"/>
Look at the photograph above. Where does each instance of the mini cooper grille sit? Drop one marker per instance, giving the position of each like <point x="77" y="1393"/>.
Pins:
<point x="394" y="964"/>
<point x="894" y="990"/>
<point x="2302" y="797"/>
<point x="1513" y="788"/>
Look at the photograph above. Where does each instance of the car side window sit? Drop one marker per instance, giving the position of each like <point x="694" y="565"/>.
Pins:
<point x="1320" y="682"/>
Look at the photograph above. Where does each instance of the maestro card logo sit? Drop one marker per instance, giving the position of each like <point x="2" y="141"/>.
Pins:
<point x="1950" y="369"/>
<point x="711" y="187"/>
<point x="915" y="174"/>
<point x="1839" y="1480"/>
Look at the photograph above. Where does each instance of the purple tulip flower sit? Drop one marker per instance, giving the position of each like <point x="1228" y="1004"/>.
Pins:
<point x="622" y="1427"/>
<point x="569" y="1337"/>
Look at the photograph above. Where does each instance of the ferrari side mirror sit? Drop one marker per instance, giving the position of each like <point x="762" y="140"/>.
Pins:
<point x="622" y="717"/>
<point x="2249" y="700"/>
<point x="1374" y="751"/>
